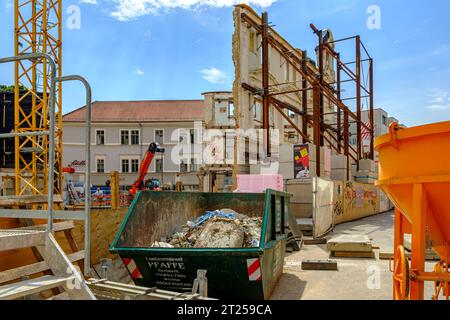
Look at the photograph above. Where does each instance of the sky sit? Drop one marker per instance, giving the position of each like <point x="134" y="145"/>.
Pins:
<point x="177" y="49"/>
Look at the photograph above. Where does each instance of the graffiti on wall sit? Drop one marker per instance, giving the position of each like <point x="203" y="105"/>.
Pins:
<point x="358" y="196"/>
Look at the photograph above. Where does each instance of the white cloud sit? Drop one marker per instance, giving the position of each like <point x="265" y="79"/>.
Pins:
<point x="126" y="10"/>
<point x="88" y="1"/>
<point x="342" y="8"/>
<point x="138" y="71"/>
<point x="214" y="75"/>
<point x="440" y="100"/>
<point x="438" y="107"/>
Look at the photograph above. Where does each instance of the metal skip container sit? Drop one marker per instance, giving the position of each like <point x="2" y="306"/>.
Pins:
<point x="232" y="273"/>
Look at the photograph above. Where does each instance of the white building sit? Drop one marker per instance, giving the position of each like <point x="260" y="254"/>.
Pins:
<point x="121" y="134"/>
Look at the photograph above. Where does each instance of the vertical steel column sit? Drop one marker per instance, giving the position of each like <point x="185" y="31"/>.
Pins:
<point x="338" y="94"/>
<point x="346" y="142"/>
<point x="87" y="182"/>
<point x="372" y="127"/>
<point x="419" y="217"/>
<point x="265" y="80"/>
<point x="321" y="78"/>
<point x="51" y="112"/>
<point x="304" y="96"/>
<point x="317" y="126"/>
<point x="358" y="98"/>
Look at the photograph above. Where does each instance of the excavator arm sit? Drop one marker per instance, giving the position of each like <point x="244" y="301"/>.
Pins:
<point x="143" y="169"/>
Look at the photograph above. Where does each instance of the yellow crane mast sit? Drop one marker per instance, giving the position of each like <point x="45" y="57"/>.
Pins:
<point x="38" y="28"/>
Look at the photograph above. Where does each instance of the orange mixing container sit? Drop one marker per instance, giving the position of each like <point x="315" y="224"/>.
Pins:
<point x="419" y="155"/>
<point x="414" y="172"/>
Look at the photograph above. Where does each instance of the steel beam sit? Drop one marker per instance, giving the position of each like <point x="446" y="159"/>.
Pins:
<point x="265" y="80"/>
<point x="371" y="116"/>
<point x="358" y="99"/>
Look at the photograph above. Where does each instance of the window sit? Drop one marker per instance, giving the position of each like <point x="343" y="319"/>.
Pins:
<point x="134" y="137"/>
<point x="384" y="120"/>
<point x="251" y="45"/>
<point x="159" y="167"/>
<point x="124" y="137"/>
<point x="288" y="69"/>
<point x="230" y="110"/>
<point x="257" y="111"/>
<point x="182" y="136"/>
<point x="129" y="164"/>
<point x="134" y="165"/>
<point x="100" y="162"/>
<point x="159" y="137"/>
<point x="125" y="165"/>
<point x="100" y="137"/>
<point x="192" y="135"/>
<point x="183" y="167"/>
<point x="194" y="166"/>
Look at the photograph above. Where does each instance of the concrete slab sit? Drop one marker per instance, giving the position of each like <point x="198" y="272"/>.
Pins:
<point x="350" y="243"/>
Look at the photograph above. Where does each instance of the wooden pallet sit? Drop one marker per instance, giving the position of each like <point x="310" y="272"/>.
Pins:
<point x="353" y="254"/>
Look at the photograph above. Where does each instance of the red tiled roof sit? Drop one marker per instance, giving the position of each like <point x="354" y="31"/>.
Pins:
<point x="140" y="111"/>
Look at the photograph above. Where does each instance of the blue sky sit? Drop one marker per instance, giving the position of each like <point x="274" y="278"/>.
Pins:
<point x="177" y="49"/>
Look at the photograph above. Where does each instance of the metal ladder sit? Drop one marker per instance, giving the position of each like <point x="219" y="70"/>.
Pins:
<point x="65" y="274"/>
<point x="73" y="193"/>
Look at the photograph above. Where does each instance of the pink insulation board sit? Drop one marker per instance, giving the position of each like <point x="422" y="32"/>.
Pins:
<point x="259" y="183"/>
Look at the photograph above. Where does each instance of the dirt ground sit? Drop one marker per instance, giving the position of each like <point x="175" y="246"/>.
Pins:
<point x="356" y="279"/>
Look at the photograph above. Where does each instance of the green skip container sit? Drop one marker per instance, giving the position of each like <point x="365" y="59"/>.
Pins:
<point x="232" y="273"/>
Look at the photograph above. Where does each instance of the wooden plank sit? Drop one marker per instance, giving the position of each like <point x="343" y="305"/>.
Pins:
<point x="73" y="246"/>
<point x="319" y="265"/>
<point x="10" y="201"/>
<point x="28" y="223"/>
<point x="353" y="254"/>
<point x="57" y="226"/>
<point x="41" y="214"/>
<point x="32" y="286"/>
<point x="17" y="239"/>
<point x="309" y="242"/>
<point x="347" y="242"/>
<point x="16" y="273"/>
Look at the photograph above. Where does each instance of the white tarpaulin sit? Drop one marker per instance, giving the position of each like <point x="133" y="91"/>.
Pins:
<point x="323" y="204"/>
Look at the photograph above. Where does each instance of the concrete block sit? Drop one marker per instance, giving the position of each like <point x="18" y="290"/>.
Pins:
<point x="339" y="174"/>
<point x="286" y="152"/>
<point x="338" y="161"/>
<point x="350" y="243"/>
<point x="286" y="169"/>
<point x="367" y="165"/>
<point x="366" y="177"/>
<point x="330" y="265"/>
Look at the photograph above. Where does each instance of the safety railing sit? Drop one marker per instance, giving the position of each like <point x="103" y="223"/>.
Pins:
<point x="50" y="213"/>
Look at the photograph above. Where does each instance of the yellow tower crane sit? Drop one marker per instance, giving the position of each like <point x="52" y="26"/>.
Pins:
<point x="38" y="28"/>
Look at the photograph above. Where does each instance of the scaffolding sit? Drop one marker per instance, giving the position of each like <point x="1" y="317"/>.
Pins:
<point x="335" y="133"/>
<point x="38" y="29"/>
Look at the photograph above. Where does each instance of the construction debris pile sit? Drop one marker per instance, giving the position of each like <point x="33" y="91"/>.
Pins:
<point x="218" y="229"/>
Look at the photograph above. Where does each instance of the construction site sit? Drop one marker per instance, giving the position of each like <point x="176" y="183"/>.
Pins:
<point x="291" y="186"/>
